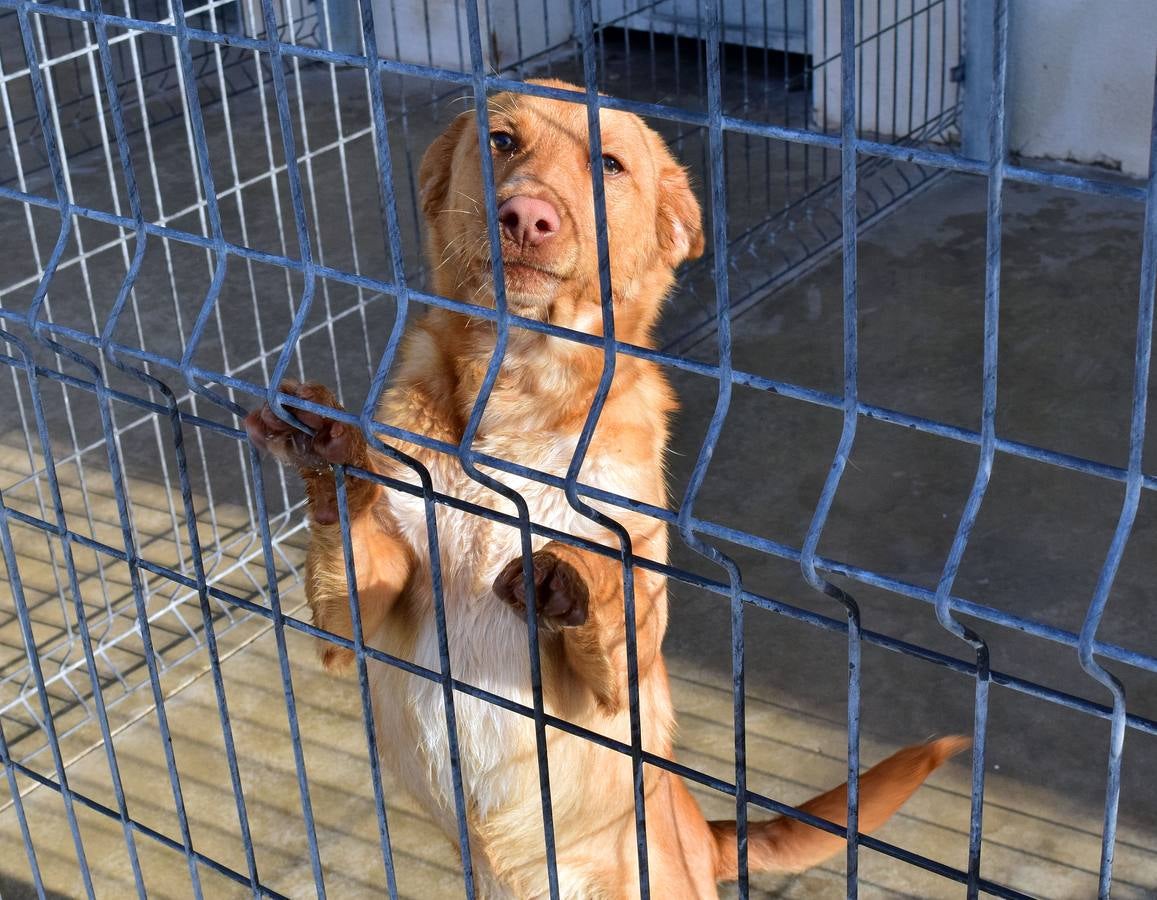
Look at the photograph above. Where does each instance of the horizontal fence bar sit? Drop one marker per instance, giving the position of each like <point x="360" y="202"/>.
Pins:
<point x="883" y="641"/>
<point x="932" y="158"/>
<point x="746" y="379"/>
<point x="1115" y="652"/>
<point x="717" y="784"/>
<point x="722" y="589"/>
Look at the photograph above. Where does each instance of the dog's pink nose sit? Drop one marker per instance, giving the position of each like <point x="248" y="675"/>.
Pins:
<point x="528" y="220"/>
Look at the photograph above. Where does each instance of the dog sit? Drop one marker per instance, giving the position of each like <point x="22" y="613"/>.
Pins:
<point x="534" y="417"/>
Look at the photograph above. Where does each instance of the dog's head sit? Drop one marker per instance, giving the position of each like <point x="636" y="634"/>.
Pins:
<point x="546" y="213"/>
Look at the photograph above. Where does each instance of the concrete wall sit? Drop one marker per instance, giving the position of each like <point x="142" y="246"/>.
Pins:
<point x="1081" y="80"/>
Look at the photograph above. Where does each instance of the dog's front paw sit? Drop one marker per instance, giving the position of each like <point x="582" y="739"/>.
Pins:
<point x="562" y="595"/>
<point x="332" y="443"/>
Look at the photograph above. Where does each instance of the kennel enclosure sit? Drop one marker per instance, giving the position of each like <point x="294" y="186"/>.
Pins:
<point x="188" y="190"/>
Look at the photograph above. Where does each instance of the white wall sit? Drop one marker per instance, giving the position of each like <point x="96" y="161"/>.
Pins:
<point x="774" y="23"/>
<point x="1080" y="72"/>
<point x="1080" y="78"/>
<point x="907" y="49"/>
<point x="1080" y="75"/>
<point x="512" y="31"/>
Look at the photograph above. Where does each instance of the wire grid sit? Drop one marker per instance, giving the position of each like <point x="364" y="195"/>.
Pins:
<point x="152" y="66"/>
<point x="775" y="232"/>
<point x="97" y="361"/>
<point x="152" y="88"/>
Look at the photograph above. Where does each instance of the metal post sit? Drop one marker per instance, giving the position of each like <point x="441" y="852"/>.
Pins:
<point x="979" y="47"/>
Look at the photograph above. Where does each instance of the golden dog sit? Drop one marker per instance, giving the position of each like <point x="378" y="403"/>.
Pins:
<point x="534" y="417"/>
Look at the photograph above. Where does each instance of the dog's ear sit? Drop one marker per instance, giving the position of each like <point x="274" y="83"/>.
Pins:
<point x="437" y="164"/>
<point x="680" y="224"/>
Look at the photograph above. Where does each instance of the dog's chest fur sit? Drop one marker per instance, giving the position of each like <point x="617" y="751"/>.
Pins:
<point x="488" y="643"/>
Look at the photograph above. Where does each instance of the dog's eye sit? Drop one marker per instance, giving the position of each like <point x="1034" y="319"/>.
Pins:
<point x="611" y="166"/>
<point x="502" y="141"/>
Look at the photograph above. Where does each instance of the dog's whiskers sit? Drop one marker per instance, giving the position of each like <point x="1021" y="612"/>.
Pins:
<point x="472" y="200"/>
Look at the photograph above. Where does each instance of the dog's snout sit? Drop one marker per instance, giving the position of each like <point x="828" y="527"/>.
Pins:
<point x="528" y="221"/>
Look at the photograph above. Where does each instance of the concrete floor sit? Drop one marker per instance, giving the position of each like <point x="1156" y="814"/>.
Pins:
<point x="1070" y="290"/>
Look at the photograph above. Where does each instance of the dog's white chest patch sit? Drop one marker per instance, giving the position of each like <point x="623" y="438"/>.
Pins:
<point x="487" y="640"/>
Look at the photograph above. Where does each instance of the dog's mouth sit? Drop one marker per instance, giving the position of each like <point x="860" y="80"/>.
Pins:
<point x="514" y="262"/>
<point x="525" y="277"/>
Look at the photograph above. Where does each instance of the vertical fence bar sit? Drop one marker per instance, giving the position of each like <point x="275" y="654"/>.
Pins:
<point x="132" y="559"/>
<point x="30" y="648"/>
<point x="199" y="149"/>
<point x="278" y="616"/>
<point x="13" y="148"/>
<point x="585" y="36"/>
<point x="10" y="772"/>
<point x="49" y="111"/>
<point x="343" y="157"/>
<point x="995" y="153"/>
<point x="291" y="346"/>
<point x="103" y="60"/>
<point x="208" y="214"/>
<point x="686" y="522"/>
<point x="446" y="678"/>
<point x="466" y="453"/>
<point x="339" y="476"/>
<point x="205" y="173"/>
<point x="85" y="635"/>
<point x="851" y="409"/>
<point x="297" y="196"/>
<point x="112" y="92"/>
<point x="73" y="581"/>
<point x="387" y="197"/>
<point x="128" y="538"/>
<point x="243" y="219"/>
<point x="300" y="223"/>
<point x="305" y="160"/>
<point x="63" y="199"/>
<point x="1132" y="501"/>
<point x="206" y="210"/>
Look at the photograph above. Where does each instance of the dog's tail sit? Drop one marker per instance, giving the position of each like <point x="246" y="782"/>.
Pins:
<point x="789" y="845"/>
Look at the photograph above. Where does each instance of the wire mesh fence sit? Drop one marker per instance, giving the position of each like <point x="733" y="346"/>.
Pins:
<point x="774" y="231"/>
<point x="169" y="178"/>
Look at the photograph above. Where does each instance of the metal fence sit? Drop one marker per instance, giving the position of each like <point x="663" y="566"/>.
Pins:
<point x="774" y="231"/>
<point x="155" y="295"/>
